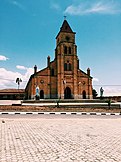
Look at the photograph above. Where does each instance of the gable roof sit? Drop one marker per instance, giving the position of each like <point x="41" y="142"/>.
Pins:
<point x="33" y="75"/>
<point x="65" y="28"/>
<point x="85" y="74"/>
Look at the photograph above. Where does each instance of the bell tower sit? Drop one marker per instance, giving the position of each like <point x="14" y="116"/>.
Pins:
<point x="65" y="37"/>
<point x="67" y="62"/>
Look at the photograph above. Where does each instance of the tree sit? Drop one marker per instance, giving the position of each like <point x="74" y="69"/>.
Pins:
<point x="18" y="81"/>
<point x="94" y="93"/>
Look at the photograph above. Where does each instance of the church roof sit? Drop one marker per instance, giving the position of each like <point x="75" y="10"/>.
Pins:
<point x="65" y="28"/>
<point x="12" y="91"/>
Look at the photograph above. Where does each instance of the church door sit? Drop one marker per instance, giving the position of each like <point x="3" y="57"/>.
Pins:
<point x="67" y="93"/>
<point x="41" y="94"/>
<point x="84" y="94"/>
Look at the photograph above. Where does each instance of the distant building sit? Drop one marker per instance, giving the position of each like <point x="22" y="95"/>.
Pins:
<point x="62" y="77"/>
<point x="12" y="94"/>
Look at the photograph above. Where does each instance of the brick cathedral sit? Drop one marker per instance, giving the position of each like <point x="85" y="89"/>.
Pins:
<point x="62" y="77"/>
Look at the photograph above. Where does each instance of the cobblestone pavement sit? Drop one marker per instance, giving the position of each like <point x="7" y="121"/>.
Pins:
<point x="60" y="138"/>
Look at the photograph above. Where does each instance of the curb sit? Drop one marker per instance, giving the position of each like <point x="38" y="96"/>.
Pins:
<point x="59" y="113"/>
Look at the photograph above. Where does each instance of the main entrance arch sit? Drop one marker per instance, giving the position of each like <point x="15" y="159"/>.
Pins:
<point x="41" y="94"/>
<point x="67" y="93"/>
<point x="84" y="94"/>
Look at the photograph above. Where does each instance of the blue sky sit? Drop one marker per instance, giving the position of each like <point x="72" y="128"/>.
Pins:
<point x="28" y="30"/>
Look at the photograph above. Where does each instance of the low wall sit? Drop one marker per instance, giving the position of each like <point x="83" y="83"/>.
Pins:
<point x="112" y="98"/>
<point x="62" y="108"/>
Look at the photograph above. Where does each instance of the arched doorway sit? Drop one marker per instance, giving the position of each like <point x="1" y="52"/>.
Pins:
<point x="41" y="94"/>
<point x="84" y="94"/>
<point x="67" y="93"/>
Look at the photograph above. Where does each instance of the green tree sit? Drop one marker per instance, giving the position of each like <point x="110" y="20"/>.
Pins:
<point x="18" y="81"/>
<point x="94" y="93"/>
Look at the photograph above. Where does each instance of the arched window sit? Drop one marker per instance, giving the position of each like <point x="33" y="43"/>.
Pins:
<point x="52" y="72"/>
<point x="65" y="50"/>
<point x="69" y="67"/>
<point x="65" y="67"/>
<point x="69" y="50"/>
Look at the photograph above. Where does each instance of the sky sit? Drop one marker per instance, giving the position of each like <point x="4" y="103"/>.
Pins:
<point x="28" y="29"/>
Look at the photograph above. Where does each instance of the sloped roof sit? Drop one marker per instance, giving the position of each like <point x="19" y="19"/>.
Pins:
<point x="65" y="28"/>
<point x="12" y="91"/>
<point x="85" y="74"/>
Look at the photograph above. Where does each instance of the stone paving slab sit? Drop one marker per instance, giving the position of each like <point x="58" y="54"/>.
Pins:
<point x="60" y="138"/>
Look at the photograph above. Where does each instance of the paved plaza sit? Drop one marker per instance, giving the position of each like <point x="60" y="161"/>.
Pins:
<point x="60" y="138"/>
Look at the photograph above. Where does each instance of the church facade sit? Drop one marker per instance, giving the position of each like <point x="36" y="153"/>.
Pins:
<point x="62" y="77"/>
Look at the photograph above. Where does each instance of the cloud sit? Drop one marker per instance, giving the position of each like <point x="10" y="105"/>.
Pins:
<point x="109" y="90"/>
<point x="3" y="58"/>
<point x="95" y="80"/>
<point x="8" y="78"/>
<point x="112" y="91"/>
<point x="94" y="7"/>
<point x="17" y="4"/>
<point x="21" y="67"/>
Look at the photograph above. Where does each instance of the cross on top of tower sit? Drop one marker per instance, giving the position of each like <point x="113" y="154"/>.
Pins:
<point x="65" y="17"/>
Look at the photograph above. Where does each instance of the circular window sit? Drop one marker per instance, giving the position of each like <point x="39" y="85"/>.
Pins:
<point x="67" y="38"/>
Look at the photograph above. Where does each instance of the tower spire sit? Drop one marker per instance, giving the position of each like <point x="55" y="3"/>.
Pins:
<point x="65" y="27"/>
